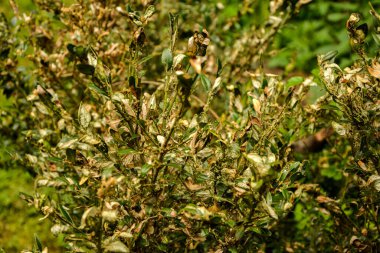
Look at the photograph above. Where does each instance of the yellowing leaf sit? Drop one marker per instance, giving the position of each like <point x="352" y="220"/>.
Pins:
<point x="196" y="64"/>
<point x="269" y="209"/>
<point x="116" y="246"/>
<point x="178" y="60"/>
<point x="339" y="128"/>
<point x="149" y="11"/>
<point x="84" y="116"/>
<point x="256" y="105"/>
<point x="192" y="186"/>
<point x="66" y="142"/>
<point x="262" y="163"/>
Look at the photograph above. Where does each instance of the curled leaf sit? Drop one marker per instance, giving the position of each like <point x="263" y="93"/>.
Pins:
<point x="374" y="70"/>
<point x="178" y="60"/>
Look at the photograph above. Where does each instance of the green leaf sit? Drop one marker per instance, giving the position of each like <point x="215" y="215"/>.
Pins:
<point x="65" y="214"/>
<point x="145" y="169"/>
<point x="145" y="59"/>
<point x="220" y="67"/>
<point x="55" y="159"/>
<point x="71" y="48"/>
<point x="126" y="151"/>
<point x="78" y="51"/>
<point x="5" y="102"/>
<point x="329" y="56"/>
<point x="38" y="243"/>
<point x="293" y="81"/>
<point x="230" y="223"/>
<point x="331" y="172"/>
<point x="86" y="69"/>
<point x="71" y="155"/>
<point x="205" y="82"/>
<point x="175" y="165"/>
<point x="167" y="58"/>
<point x="95" y="88"/>
<point x="255" y="230"/>
<point x="239" y="233"/>
<point x="333" y="107"/>
<point x="376" y="38"/>
<point x="132" y="81"/>
<point x="167" y="212"/>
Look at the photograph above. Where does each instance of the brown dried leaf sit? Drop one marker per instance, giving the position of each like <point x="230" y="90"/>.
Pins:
<point x="374" y="70"/>
<point x="189" y="183"/>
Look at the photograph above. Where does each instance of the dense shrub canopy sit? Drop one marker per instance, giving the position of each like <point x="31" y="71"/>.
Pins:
<point x="154" y="126"/>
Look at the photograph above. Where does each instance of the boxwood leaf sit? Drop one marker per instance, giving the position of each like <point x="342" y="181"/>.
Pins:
<point x="205" y="82"/>
<point x="37" y="243"/>
<point x="84" y="116"/>
<point x="293" y="81"/>
<point x="86" y="69"/>
<point x="126" y="151"/>
<point x="65" y="214"/>
<point x="167" y="58"/>
<point x="149" y="11"/>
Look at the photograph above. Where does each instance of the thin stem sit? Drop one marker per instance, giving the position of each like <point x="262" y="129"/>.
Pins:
<point x="212" y="112"/>
<point x="164" y="145"/>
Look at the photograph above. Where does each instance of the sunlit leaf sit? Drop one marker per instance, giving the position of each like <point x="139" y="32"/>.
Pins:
<point x="84" y="116"/>
<point x="149" y="11"/>
<point x="178" y="60"/>
<point x="67" y="142"/>
<point x="116" y="246"/>
<point x="256" y="105"/>
<point x="339" y="128"/>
